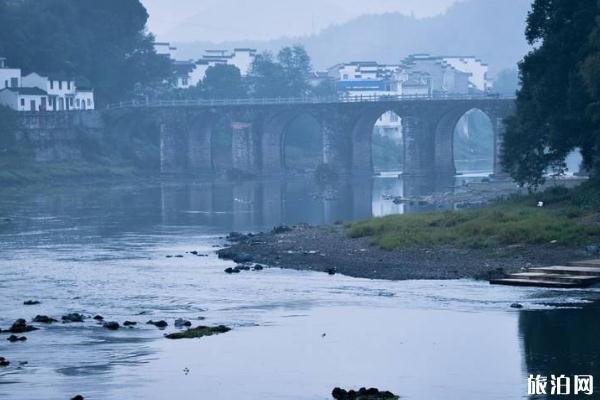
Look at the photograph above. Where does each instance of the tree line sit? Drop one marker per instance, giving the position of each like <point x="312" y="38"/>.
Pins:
<point x="558" y="105"/>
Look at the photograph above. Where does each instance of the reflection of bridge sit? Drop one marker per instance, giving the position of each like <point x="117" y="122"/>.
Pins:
<point x="187" y="129"/>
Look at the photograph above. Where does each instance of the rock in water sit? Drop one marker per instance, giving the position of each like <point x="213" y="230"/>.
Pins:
<point x="4" y="362"/>
<point x="363" y="394"/>
<point x="14" y="338"/>
<point x="332" y="271"/>
<point x="180" y="323"/>
<point x="159" y="324"/>
<point x="198" y="332"/>
<point x="516" y="305"/>
<point x="31" y="302"/>
<point x="129" y="323"/>
<point x="20" y="326"/>
<point x="73" y="317"/>
<point x="99" y="318"/>
<point x="111" y="325"/>
<point x="78" y="397"/>
<point x="44" y="319"/>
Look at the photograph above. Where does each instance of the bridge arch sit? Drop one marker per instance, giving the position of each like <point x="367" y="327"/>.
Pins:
<point x="384" y="122"/>
<point x="276" y="137"/>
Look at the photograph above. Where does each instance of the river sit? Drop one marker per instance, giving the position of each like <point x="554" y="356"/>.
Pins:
<point x="102" y="249"/>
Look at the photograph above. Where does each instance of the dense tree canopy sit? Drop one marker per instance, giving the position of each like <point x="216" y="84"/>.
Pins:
<point x="557" y="105"/>
<point x="223" y="81"/>
<point x="286" y="76"/>
<point x="103" y="43"/>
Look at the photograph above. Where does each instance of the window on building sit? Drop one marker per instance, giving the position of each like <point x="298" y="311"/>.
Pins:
<point x="78" y="103"/>
<point x="345" y="77"/>
<point x="14" y="82"/>
<point x="22" y="102"/>
<point x="59" y="85"/>
<point x="71" y="101"/>
<point x="51" y="84"/>
<point x="5" y="84"/>
<point x="69" y="85"/>
<point x="89" y="102"/>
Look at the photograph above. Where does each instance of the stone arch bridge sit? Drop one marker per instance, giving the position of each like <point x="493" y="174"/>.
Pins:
<point x="258" y="125"/>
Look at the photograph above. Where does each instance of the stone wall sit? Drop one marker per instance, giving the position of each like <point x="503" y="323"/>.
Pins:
<point x="58" y="136"/>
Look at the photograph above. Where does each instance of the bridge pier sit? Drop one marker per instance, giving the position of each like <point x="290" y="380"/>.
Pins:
<point x="173" y="144"/>
<point x="419" y="144"/>
<point x="199" y="146"/>
<point x="243" y="147"/>
<point x="337" y="141"/>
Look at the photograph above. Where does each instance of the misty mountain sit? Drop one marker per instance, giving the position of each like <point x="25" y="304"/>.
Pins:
<point x="490" y="29"/>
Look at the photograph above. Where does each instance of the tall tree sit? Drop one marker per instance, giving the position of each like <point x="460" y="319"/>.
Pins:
<point x="223" y="81"/>
<point x="105" y="42"/>
<point x="552" y="115"/>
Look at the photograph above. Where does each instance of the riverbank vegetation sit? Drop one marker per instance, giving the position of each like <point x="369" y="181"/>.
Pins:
<point x="567" y="217"/>
<point x="558" y="105"/>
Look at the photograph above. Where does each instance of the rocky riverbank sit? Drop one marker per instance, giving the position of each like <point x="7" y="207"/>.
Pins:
<point x="328" y="249"/>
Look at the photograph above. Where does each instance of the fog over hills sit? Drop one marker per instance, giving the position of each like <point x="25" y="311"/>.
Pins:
<point x="490" y="29"/>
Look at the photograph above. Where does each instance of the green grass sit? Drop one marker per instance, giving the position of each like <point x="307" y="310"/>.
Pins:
<point x="198" y="332"/>
<point x="569" y="218"/>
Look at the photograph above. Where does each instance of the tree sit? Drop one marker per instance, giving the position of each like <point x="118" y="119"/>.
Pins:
<point x="105" y="42"/>
<point x="223" y="81"/>
<point x="286" y="76"/>
<point x="553" y="105"/>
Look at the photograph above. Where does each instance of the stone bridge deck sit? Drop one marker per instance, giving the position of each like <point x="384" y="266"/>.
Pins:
<point x="258" y="125"/>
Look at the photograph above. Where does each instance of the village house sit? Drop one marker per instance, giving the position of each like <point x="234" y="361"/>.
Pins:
<point x="9" y="77"/>
<point x="24" y="98"/>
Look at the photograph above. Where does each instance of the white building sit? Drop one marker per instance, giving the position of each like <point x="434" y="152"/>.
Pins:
<point x="448" y="74"/>
<point x="191" y="72"/>
<point x="9" y="77"/>
<point x="62" y="92"/>
<point x="24" y="98"/>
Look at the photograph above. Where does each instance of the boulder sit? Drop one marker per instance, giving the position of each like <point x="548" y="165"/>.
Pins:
<point x="73" y="317"/>
<point x="20" y="326"/>
<point x="43" y="319"/>
<point x="332" y="271"/>
<point x="15" y="338"/>
<point x="111" y="325"/>
<point x="258" y="267"/>
<point x="159" y="324"/>
<point x="180" y="323"/>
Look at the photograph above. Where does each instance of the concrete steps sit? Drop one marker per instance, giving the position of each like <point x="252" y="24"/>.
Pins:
<point x="578" y="274"/>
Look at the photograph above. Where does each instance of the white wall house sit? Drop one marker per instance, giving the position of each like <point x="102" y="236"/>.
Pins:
<point x="62" y="92"/>
<point x="443" y="77"/>
<point x="9" y="77"/>
<point x="24" y="99"/>
<point x="477" y="69"/>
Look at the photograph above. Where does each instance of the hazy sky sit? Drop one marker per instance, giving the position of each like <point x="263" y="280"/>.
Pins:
<point x="224" y="20"/>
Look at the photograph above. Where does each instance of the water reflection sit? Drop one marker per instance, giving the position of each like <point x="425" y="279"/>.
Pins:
<point x="562" y="342"/>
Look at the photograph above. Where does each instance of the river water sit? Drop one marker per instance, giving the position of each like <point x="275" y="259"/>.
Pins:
<point x="100" y="249"/>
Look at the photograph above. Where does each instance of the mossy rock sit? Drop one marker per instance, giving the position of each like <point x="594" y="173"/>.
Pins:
<point x="198" y="332"/>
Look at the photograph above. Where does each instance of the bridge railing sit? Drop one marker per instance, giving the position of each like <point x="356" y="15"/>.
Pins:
<point x="293" y="100"/>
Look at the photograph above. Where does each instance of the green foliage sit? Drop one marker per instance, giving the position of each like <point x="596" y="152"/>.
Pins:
<point x="556" y="104"/>
<point x="568" y="217"/>
<point x="103" y="42"/>
<point x="223" y="81"/>
<point x="286" y="76"/>
<point x="199" y="332"/>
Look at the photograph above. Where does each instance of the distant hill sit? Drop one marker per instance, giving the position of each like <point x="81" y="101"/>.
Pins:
<point x="490" y="29"/>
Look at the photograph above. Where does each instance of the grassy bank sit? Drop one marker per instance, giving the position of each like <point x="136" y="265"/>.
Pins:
<point x="569" y="217"/>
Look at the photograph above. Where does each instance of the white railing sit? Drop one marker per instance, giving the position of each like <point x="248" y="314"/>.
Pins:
<point x="294" y="100"/>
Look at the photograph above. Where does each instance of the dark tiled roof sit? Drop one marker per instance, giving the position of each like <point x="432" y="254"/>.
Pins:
<point x="30" y="91"/>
